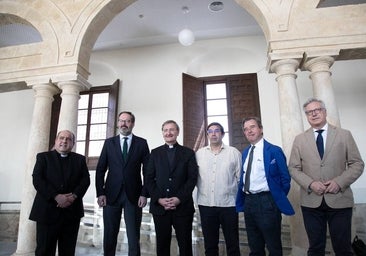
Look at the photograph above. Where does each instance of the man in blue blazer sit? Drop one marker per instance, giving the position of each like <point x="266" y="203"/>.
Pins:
<point x="263" y="188"/>
<point x="123" y="156"/>
<point x="61" y="179"/>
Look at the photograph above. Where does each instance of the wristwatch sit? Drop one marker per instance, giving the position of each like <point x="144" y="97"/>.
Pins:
<point x="309" y="189"/>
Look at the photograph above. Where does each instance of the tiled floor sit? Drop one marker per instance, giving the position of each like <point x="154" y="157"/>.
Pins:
<point x="9" y="248"/>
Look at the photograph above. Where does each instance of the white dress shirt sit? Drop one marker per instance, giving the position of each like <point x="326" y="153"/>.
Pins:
<point x="218" y="176"/>
<point x="121" y="139"/>
<point x="324" y="134"/>
<point x="258" y="180"/>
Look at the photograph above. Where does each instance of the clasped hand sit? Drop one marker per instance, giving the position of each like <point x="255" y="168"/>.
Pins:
<point x="64" y="200"/>
<point x="321" y="188"/>
<point x="170" y="203"/>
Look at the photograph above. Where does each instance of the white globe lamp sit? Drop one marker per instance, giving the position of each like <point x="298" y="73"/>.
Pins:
<point x="186" y="37"/>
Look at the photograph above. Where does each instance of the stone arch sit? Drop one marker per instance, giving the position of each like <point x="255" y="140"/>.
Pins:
<point x="97" y="24"/>
<point x="114" y="7"/>
<point x="34" y="17"/>
<point x="68" y="36"/>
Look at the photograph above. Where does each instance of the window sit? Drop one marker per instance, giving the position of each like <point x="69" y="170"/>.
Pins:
<point x="97" y="114"/>
<point x="223" y="99"/>
<point x="217" y="107"/>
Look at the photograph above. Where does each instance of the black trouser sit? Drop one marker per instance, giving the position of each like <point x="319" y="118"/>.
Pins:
<point x="211" y="220"/>
<point x="64" y="233"/>
<point x="132" y="216"/>
<point x="263" y="224"/>
<point x="183" y="231"/>
<point x="339" y="221"/>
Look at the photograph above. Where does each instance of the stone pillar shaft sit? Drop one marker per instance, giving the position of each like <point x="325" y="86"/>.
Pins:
<point x="38" y="142"/>
<point x="69" y="106"/>
<point x="291" y="125"/>
<point x="322" y="85"/>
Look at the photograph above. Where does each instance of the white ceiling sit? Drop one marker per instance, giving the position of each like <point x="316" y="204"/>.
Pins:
<point x="150" y="22"/>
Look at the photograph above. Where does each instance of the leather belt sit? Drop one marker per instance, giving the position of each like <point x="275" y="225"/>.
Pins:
<point x="256" y="194"/>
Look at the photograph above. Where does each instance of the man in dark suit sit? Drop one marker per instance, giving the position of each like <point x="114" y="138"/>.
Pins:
<point x="171" y="177"/>
<point x="325" y="177"/>
<point x="122" y="155"/>
<point x="263" y="188"/>
<point x="61" y="179"/>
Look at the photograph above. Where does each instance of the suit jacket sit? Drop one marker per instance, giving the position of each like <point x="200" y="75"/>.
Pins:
<point x="341" y="162"/>
<point x="277" y="175"/>
<point x="49" y="180"/>
<point x="120" y="172"/>
<point x="179" y="180"/>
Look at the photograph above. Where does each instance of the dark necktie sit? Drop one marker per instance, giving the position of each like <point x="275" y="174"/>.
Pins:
<point x="125" y="148"/>
<point x="249" y="168"/>
<point x="320" y="143"/>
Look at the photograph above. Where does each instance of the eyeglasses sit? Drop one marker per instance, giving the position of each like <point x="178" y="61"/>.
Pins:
<point x="214" y="131"/>
<point x="124" y="121"/>
<point x="313" y="111"/>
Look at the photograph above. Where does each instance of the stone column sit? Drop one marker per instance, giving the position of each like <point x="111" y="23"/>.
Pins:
<point x="69" y="106"/>
<point x="322" y="85"/>
<point x="291" y="125"/>
<point x="38" y="142"/>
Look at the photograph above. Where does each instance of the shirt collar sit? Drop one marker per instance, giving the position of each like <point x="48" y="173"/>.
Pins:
<point x="325" y="128"/>
<point x="259" y="144"/>
<point x="208" y="147"/>
<point x="171" y="146"/>
<point x="121" y="136"/>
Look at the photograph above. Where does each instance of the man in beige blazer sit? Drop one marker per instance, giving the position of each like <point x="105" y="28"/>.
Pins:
<point x="325" y="176"/>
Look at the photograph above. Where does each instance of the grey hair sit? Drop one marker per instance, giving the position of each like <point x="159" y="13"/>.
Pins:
<point x="170" y="122"/>
<point x="311" y="100"/>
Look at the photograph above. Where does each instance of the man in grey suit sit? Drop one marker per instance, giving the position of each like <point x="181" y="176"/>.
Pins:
<point x="325" y="161"/>
<point x="123" y="156"/>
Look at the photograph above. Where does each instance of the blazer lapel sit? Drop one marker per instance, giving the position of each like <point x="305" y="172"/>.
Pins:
<point x="309" y="135"/>
<point x="331" y="136"/>
<point x="266" y="157"/>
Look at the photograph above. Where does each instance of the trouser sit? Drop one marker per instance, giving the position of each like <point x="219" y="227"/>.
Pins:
<point x="339" y="222"/>
<point x="263" y="224"/>
<point x="63" y="233"/>
<point x="211" y="220"/>
<point x="112" y="219"/>
<point x="183" y="231"/>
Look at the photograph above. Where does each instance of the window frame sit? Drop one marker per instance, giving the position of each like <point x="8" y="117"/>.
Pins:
<point x="113" y="90"/>
<point x="242" y="101"/>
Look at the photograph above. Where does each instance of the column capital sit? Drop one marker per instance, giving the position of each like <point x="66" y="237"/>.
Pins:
<point x="78" y="83"/>
<point x="285" y="67"/>
<point x="279" y="57"/>
<point x="45" y="90"/>
<point x="320" y="63"/>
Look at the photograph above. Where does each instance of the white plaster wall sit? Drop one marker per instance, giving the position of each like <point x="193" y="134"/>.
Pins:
<point x="151" y="87"/>
<point x="15" y="115"/>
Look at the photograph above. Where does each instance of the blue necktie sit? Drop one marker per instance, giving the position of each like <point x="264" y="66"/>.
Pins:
<point x="249" y="169"/>
<point x="320" y="143"/>
<point x="125" y="148"/>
